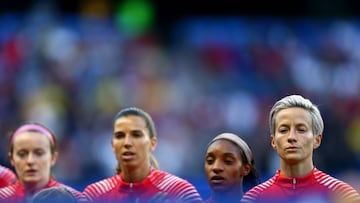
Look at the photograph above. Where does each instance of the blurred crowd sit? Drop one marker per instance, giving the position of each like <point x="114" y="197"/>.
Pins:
<point x="208" y="75"/>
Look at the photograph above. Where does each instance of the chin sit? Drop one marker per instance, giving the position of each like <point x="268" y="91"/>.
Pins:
<point x="219" y="188"/>
<point x="31" y="180"/>
<point x="129" y="166"/>
<point x="292" y="160"/>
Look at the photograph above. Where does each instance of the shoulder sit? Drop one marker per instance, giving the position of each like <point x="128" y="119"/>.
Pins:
<point x="338" y="187"/>
<point x="100" y="187"/>
<point x="329" y="182"/>
<point x="175" y="186"/>
<point x="77" y="194"/>
<point x="166" y="180"/>
<point x="254" y="193"/>
<point x="7" y="192"/>
<point x="6" y="173"/>
<point x="4" y="170"/>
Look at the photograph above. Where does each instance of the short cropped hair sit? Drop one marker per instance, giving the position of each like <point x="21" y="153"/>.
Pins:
<point x="300" y="102"/>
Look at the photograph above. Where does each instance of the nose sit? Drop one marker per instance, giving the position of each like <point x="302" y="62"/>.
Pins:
<point x="127" y="141"/>
<point x="292" y="135"/>
<point x="217" y="166"/>
<point x="30" y="158"/>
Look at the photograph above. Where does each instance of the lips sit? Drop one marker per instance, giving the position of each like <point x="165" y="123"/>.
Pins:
<point x="217" y="179"/>
<point x="31" y="171"/>
<point x="292" y="148"/>
<point x="128" y="155"/>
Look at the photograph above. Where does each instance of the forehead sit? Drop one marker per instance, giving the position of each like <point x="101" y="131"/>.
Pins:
<point x="294" y="114"/>
<point x="131" y="121"/>
<point x="31" y="139"/>
<point x="223" y="146"/>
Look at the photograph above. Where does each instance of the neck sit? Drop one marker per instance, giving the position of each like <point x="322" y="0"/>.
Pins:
<point x="32" y="188"/>
<point x="134" y="175"/>
<point x="296" y="170"/>
<point x="233" y="195"/>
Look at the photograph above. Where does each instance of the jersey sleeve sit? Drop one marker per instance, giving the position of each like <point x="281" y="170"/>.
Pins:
<point x="95" y="190"/>
<point x="180" y="189"/>
<point x="7" y="177"/>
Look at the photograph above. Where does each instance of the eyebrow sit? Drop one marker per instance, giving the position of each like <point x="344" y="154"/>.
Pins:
<point x="229" y="154"/>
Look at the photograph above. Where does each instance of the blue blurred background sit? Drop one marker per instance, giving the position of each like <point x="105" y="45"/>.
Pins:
<point x="199" y="70"/>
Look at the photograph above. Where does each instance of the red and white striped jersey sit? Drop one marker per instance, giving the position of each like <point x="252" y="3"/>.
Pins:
<point x="16" y="193"/>
<point x="157" y="185"/>
<point x="315" y="187"/>
<point x="7" y="177"/>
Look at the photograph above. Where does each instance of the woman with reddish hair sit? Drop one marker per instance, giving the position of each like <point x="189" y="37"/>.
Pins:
<point x="33" y="152"/>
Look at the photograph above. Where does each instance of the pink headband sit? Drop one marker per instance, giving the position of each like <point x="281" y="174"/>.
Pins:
<point x="33" y="127"/>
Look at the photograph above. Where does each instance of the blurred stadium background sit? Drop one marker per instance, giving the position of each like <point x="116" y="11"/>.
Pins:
<point x="198" y="69"/>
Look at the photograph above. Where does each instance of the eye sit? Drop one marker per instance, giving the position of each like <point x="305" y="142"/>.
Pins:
<point x="39" y="152"/>
<point x="119" y="135"/>
<point x="21" y="154"/>
<point x="209" y="160"/>
<point x="302" y="130"/>
<point x="229" y="160"/>
<point x="137" y="133"/>
<point x="283" y="130"/>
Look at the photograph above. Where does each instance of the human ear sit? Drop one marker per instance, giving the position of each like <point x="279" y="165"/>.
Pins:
<point x="153" y="143"/>
<point x="112" y="145"/>
<point x="11" y="159"/>
<point x="246" y="170"/>
<point x="54" y="157"/>
<point x="273" y="142"/>
<point x="317" y="141"/>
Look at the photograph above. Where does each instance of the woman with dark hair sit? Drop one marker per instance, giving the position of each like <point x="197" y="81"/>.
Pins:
<point x="33" y="152"/>
<point x="138" y="178"/>
<point x="229" y="168"/>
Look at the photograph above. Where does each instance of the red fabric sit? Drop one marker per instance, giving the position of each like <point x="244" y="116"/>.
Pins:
<point x="157" y="182"/>
<point x="317" y="186"/>
<point x="16" y="193"/>
<point x="7" y="177"/>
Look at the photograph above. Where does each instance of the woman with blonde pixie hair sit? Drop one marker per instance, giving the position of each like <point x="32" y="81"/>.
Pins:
<point x="33" y="152"/>
<point x="296" y="128"/>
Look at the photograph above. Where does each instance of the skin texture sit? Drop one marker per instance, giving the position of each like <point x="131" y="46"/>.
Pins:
<point x="132" y="147"/>
<point x="32" y="159"/>
<point x="294" y="141"/>
<point x="223" y="167"/>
